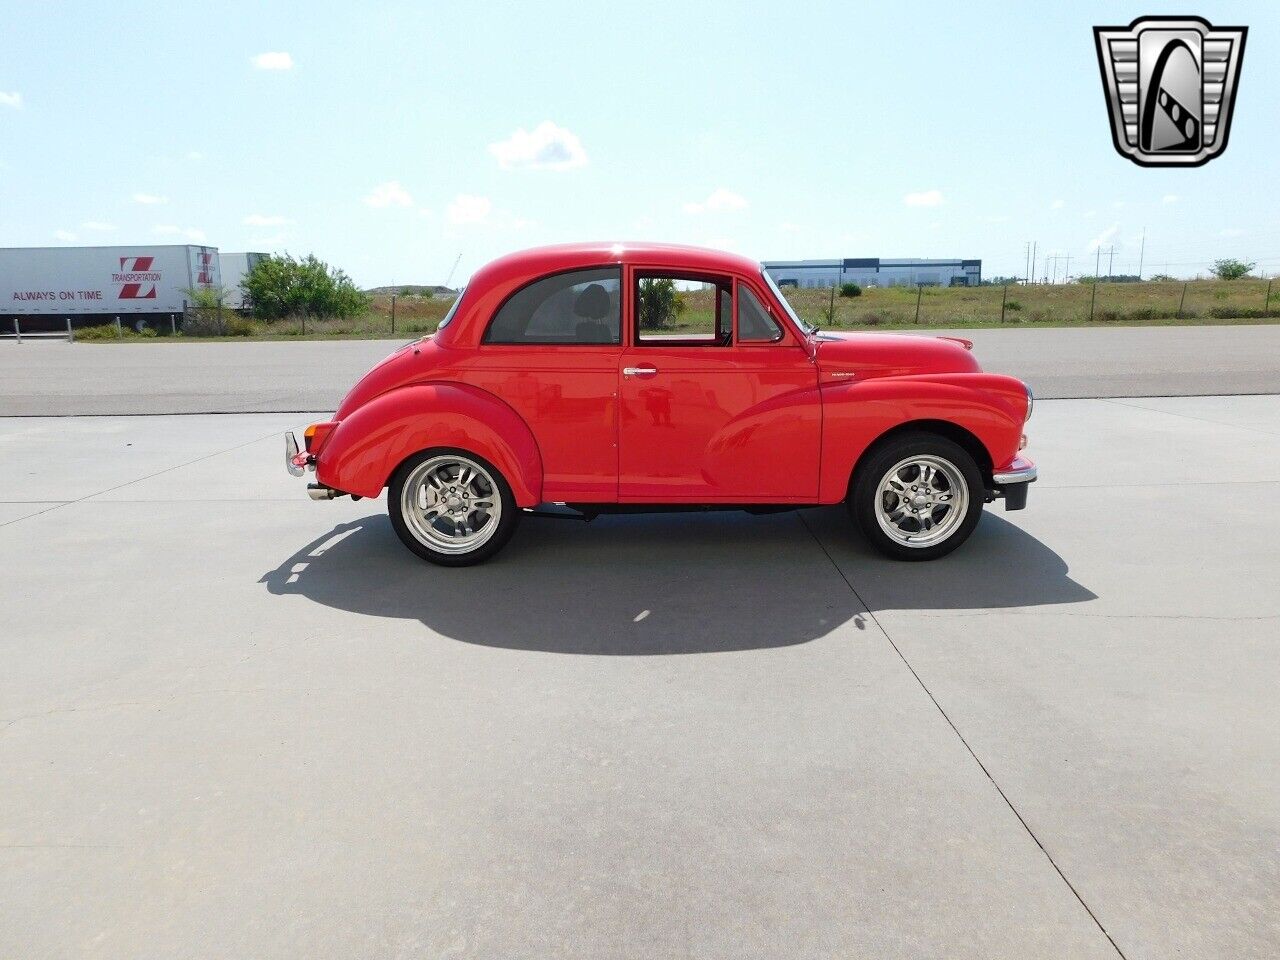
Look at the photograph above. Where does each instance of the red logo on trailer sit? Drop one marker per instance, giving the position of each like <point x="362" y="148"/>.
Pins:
<point x="205" y="276"/>
<point x="137" y="279"/>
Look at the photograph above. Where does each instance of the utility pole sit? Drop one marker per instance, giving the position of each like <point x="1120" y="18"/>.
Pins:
<point x="1111" y="261"/>
<point x="1066" y="274"/>
<point x="1142" y="250"/>
<point x="1033" y="260"/>
<point x="1097" y="265"/>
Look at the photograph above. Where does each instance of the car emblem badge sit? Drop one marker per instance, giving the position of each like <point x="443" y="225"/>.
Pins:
<point x="1170" y="84"/>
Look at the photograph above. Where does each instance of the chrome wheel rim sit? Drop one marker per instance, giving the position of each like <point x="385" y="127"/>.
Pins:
<point x="921" y="501"/>
<point x="451" y="504"/>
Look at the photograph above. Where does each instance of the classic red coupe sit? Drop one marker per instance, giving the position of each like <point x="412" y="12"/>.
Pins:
<point x="593" y="378"/>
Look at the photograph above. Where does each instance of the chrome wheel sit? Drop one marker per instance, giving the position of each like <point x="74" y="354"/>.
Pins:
<point x="921" y="501"/>
<point x="451" y="504"/>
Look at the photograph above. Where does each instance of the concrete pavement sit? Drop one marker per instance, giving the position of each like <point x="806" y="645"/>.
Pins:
<point x="55" y="378"/>
<point x="239" y="723"/>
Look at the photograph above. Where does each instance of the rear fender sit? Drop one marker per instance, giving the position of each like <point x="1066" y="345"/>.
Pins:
<point x="855" y="414"/>
<point x="366" y="447"/>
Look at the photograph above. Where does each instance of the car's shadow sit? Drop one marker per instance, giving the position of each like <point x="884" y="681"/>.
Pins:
<point x="663" y="584"/>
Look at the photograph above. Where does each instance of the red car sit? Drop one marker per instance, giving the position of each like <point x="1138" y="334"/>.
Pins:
<point x="593" y="378"/>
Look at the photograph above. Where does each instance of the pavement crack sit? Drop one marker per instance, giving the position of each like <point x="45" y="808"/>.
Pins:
<point x="1186" y="416"/>
<point x="956" y="730"/>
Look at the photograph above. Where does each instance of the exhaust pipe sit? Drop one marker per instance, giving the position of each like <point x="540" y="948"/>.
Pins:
<point x="318" y="491"/>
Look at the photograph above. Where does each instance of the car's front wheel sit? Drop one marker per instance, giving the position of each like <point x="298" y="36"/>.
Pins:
<point x="451" y="507"/>
<point x="917" y="496"/>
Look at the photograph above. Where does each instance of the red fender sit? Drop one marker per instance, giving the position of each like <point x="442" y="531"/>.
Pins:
<point x="366" y="447"/>
<point x="991" y="407"/>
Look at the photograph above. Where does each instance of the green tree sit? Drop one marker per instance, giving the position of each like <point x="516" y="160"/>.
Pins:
<point x="1231" y="269"/>
<point x="281" y="286"/>
<point x="850" y="290"/>
<point x="660" y="304"/>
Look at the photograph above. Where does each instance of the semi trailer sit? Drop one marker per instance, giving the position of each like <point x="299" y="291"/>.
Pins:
<point x="44" y="287"/>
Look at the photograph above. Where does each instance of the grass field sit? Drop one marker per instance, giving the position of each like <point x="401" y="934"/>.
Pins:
<point x="891" y="308"/>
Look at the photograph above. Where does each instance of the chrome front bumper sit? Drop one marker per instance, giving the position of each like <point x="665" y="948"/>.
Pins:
<point x="1012" y="484"/>
<point x="1018" y="475"/>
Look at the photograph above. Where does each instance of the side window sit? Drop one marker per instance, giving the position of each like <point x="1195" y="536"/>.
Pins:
<point x="676" y="310"/>
<point x="581" y="307"/>
<point x="755" y="325"/>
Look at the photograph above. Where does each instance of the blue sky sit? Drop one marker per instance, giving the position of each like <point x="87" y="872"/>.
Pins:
<point x="391" y="138"/>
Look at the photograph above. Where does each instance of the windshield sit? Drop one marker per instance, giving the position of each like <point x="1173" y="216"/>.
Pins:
<point x="786" y="305"/>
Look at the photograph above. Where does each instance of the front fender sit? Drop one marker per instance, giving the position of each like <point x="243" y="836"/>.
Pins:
<point x="991" y="407"/>
<point x="366" y="447"/>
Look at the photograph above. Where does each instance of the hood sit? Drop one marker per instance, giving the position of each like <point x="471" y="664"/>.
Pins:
<point x="844" y="356"/>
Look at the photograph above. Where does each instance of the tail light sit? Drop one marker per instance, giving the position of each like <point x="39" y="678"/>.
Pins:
<point x="314" y="436"/>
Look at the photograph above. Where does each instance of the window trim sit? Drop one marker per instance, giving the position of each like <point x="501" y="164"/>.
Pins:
<point x="639" y="273"/>
<point x="614" y="345"/>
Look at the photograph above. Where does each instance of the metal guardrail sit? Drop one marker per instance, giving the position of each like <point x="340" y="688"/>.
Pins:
<point x="18" y="335"/>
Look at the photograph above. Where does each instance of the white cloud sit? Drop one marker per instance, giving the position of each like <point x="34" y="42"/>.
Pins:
<point x="1170" y="198"/>
<point x="389" y="194"/>
<point x="1091" y="213"/>
<point x="1105" y="238"/>
<point x="97" y="226"/>
<point x="266" y="220"/>
<point x="194" y="155"/>
<point x="273" y="60"/>
<point x="66" y="236"/>
<point x="171" y="230"/>
<point x="1232" y="232"/>
<point x="546" y="147"/>
<point x="925" y="198"/>
<point x="719" y="200"/>
<point x="13" y="99"/>
<point x="465" y="208"/>
<point x="790" y="227"/>
<point x="1057" y="205"/>
<point x="149" y="199"/>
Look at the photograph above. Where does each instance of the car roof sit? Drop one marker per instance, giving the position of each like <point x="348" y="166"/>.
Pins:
<point x="489" y="286"/>
<point x="566" y="256"/>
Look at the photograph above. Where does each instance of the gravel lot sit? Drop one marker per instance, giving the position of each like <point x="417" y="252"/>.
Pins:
<point x="237" y="723"/>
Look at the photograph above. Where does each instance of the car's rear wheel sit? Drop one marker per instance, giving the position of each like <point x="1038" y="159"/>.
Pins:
<point x="451" y="507"/>
<point x="918" y="496"/>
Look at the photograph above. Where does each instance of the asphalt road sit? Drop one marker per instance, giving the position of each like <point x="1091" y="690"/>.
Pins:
<point x="55" y="378"/>
<point x="237" y="723"/>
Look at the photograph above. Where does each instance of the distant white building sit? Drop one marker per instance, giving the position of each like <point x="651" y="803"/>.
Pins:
<point x="874" y="272"/>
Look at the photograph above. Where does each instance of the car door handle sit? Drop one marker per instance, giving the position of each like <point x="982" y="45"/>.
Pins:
<point x="645" y="371"/>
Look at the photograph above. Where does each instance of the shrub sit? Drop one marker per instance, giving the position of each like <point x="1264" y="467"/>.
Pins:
<point x="280" y="286"/>
<point x="107" y="332"/>
<point x="660" y="303"/>
<point x="1013" y="306"/>
<point x="1231" y="269"/>
<point x="1162" y="278"/>
<point x="238" y="326"/>
<point x="850" y="290"/>
<point x="1237" y="313"/>
<point x="204" y="323"/>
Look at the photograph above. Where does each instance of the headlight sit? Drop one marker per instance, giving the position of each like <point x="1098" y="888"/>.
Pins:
<point x="1031" y="401"/>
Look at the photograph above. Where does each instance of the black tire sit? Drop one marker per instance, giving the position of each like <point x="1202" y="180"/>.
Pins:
<point x="865" y="495"/>
<point x="405" y="527"/>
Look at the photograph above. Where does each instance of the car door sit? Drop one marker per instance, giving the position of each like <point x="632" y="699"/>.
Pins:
<point x="551" y="351"/>
<point x="718" y="400"/>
